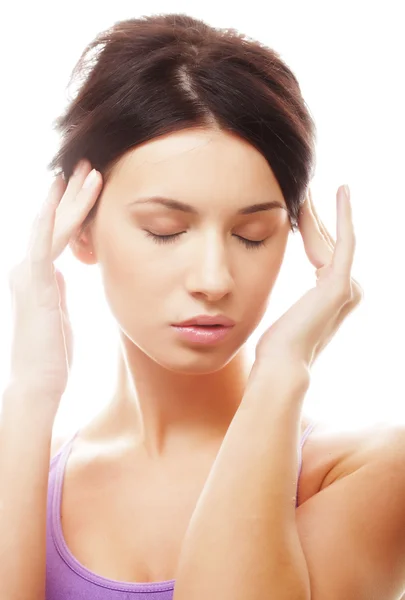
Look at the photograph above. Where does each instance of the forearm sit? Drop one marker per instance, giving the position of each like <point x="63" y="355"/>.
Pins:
<point x="242" y="541"/>
<point x="25" y="440"/>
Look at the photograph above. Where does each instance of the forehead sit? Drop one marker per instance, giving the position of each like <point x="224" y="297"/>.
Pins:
<point x="198" y="166"/>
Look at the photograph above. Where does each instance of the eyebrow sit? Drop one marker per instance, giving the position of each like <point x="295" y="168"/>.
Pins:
<point x="176" y="205"/>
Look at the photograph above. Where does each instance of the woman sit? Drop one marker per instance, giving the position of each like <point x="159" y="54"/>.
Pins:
<point x="197" y="153"/>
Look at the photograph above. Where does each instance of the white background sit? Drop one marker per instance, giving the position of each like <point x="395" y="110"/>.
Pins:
<point x="349" y="60"/>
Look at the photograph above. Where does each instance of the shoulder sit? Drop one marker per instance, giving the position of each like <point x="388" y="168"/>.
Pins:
<point x="350" y="517"/>
<point x="59" y="439"/>
<point x="330" y="454"/>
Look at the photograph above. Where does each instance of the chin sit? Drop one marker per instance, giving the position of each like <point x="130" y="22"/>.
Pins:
<point x="194" y="361"/>
<point x="183" y="357"/>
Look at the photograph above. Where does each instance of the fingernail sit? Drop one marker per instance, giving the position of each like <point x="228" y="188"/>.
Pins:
<point x="90" y="179"/>
<point x="347" y="191"/>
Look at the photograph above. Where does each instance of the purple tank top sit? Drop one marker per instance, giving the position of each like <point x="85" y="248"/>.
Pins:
<point x="66" y="578"/>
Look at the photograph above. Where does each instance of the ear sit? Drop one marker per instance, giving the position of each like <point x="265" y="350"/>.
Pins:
<point x="82" y="248"/>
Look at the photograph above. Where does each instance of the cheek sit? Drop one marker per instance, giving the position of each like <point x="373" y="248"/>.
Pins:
<point x="134" y="296"/>
<point x="274" y="267"/>
<point x="261" y="272"/>
<point x="277" y="254"/>
<point x="132" y="281"/>
<point x="260" y="277"/>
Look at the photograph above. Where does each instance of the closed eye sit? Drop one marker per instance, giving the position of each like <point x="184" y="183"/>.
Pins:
<point x="167" y="239"/>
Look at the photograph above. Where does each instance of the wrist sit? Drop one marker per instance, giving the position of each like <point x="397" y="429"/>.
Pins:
<point x="283" y="381"/>
<point x="24" y="400"/>
<point x="285" y="369"/>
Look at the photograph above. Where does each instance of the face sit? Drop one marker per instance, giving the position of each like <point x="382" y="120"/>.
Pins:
<point x="213" y="259"/>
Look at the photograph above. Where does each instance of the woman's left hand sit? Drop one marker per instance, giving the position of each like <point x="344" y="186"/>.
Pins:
<point x="301" y="333"/>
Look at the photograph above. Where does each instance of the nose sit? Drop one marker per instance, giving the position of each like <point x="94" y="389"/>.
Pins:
<point x="209" y="274"/>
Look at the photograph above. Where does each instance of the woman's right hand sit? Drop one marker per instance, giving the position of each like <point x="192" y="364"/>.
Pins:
<point x="42" y="341"/>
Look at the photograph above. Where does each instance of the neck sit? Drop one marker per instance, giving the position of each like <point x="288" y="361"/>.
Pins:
<point x="168" y="412"/>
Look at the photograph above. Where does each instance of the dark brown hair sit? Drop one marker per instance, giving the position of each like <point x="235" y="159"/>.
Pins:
<point x="155" y="75"/>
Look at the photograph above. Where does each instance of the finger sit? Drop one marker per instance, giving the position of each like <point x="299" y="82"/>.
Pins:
<point x="68" y="223"/>
<point x="81" y="170"/>
<point x="41" y="238"/>
<point x="357" y="291"/>
<point x="345" y="237"/>
<point x="321" y="225"/>
<point x="317" y="246"/>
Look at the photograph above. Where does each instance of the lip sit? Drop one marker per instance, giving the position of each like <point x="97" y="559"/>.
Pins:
<point x="207" y="320"/>
<point x="202" y="335"/>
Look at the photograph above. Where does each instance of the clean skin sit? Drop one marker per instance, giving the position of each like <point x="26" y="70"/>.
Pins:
<point x="173" y="396"/>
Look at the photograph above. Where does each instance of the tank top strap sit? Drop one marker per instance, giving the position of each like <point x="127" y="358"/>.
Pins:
<point x="307" y="431"/>
<point x="304" y="438"/>
<point x="65" y="446"/>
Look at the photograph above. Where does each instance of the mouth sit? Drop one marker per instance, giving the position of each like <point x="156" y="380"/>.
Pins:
<point x="203" y="334"/>
<point x="207" y="321"/>
<point x="205" y="326"/>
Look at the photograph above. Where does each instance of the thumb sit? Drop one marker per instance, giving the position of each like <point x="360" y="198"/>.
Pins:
<point x="60" y="280"/>
<point x="67" y="330"/>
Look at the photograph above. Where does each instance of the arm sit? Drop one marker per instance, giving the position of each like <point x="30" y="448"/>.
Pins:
<point x="39" y="305"/>
<point x="353" y="530"/>
<point x="25" y="440"/>
<point x="242" y="541"/>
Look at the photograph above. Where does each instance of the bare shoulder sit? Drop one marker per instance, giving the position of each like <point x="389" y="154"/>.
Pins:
<point x="58" y="440"/>
<point x="330" y="454"/>
<point x="350" y="517"/>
